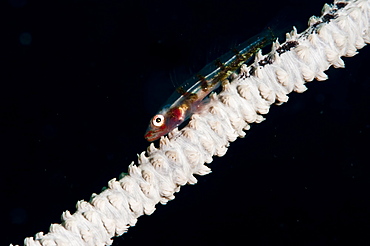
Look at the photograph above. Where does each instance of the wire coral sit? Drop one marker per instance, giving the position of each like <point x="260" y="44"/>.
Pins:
<point x="342" y="29"/>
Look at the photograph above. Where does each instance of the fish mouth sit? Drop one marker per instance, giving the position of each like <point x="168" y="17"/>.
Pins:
<point x="151" y="136"/>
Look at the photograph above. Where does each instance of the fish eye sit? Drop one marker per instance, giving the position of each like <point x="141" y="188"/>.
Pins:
<point x="158" y="120"/>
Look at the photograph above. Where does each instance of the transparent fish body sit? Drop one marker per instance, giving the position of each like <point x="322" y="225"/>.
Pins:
<point x="189" y="96"/>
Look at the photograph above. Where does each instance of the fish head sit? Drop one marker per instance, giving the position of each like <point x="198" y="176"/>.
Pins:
<point x="164" y="122"/>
